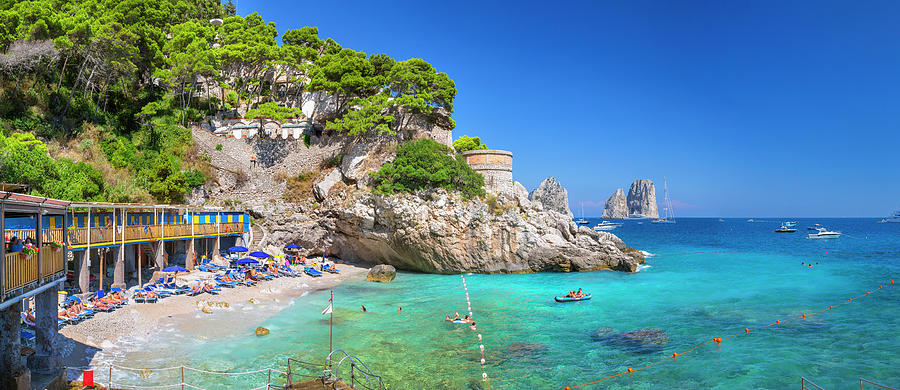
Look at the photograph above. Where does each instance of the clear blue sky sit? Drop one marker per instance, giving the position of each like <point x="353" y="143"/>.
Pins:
<point x="748" y="108"/>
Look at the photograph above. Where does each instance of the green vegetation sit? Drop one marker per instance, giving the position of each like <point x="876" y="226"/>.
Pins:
<point x="110" y="86"/>
<point x="466" y="143"/>
<point x="425" y="164"/>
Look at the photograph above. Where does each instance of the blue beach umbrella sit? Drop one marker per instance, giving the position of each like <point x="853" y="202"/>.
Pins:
<point x="175" y="269"/>
<point x="262" y="255"/>
<point x="293" y="246"/>
<point x="247" y="261"/>
<point x="237" y="249"/>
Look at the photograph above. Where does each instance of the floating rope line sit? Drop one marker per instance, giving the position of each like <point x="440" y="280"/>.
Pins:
<point x="719" y="340"/>
<point x="480" y="338"/>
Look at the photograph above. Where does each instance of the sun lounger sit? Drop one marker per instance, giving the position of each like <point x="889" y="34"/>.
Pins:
<point x="312" y="272"/>
<point x="328" y="269"/>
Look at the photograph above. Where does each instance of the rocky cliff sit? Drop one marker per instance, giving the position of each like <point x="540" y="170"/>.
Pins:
<point x="336" y="213"/>
<point x="616" y="206"/>
<point x="552" y="196"/>
<point x="642" y="198"/>
<point x="438" y="232"/>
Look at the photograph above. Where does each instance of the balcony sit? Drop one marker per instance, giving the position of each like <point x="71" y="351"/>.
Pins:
<point x="101" y="236"/>
<point x="26" y="272"/>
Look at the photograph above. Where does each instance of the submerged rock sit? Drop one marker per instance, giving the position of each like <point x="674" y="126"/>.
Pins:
<point x="260" y="331"/>
<point x="382" y="273"/>
<point x="639" y="341"/>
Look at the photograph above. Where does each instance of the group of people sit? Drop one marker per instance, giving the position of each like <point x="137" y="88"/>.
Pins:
<point x="465" y="319"/>
<point x="575" y="294"/>
<point x="17" y="245"/>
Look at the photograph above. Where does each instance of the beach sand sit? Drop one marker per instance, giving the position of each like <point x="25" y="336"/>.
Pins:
<point x="83" y="343"/>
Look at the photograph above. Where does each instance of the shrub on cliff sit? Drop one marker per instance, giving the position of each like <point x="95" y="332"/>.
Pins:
<point x="466" y="143"/>
<point x="426" y="164"/>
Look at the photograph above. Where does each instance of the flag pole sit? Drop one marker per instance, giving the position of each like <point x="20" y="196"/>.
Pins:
<point x="331" y="325"/>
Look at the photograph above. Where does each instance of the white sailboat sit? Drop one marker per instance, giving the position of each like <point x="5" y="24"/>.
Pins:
<point x="582" y="221"/>
<point x="667" y="207"/>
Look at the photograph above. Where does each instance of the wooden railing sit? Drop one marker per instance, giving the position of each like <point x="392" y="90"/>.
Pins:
<point x="52" y="261"/>
<point x="19" y="270"/>
<point x="113" y="235"/>
<point x="21" y="234"/>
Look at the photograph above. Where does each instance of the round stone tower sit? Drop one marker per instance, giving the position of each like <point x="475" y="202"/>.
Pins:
<point x="495" y="166"/>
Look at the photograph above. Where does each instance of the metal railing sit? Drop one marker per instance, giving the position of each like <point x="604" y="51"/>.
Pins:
<point x="806" y="384"/>
<point x="863" y="381"/>
<point x="360" y="374"/>
<point x="308" y="371"/>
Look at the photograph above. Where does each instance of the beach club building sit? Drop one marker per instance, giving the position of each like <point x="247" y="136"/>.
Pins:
<point x="53" y="248"/>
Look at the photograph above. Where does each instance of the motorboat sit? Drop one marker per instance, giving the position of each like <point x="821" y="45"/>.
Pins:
<point x="895" y="217"/>
<point x="824" y="233"/>
<point x="666" y="207"/>
<point x="790" y="223"/>
<point x="785" y="229"/>
<point x="814" y="227"/>
<point x="606" y="225"/>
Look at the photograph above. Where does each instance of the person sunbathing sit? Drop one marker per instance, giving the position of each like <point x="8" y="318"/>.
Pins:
<point x="64" y="314"/>
<point x="98" y="304"/>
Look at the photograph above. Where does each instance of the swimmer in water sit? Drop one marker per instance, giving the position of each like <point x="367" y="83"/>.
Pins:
<point x="363" y="307"/>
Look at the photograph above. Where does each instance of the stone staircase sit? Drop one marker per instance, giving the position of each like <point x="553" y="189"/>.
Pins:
<point x="258" y="236"/>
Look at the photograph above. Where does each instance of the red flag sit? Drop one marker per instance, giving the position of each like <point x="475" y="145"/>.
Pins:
<point x="332" y="296"/>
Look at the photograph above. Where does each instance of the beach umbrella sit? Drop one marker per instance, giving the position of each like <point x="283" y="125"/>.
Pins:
<point x="262" y="255"/>
<point x="175" y="269"/>
<point x="293" y="246"/>
<point x="237" y="249"/>
<point x="247" y="261"/>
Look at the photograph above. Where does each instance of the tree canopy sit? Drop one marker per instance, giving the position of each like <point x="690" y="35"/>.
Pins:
<point x="425" y="164"/>
<point x="138" y="72"/>
<point x="466" y="143"/>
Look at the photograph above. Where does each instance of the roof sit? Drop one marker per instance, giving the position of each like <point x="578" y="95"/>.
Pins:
<point x="31" y="200"/>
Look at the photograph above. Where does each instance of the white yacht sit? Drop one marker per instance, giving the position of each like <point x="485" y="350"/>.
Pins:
<point x="895" y="217"/>
<point x="824" y="233"/>
<point x="666" y="207"/>
<point x="606" y="226"/>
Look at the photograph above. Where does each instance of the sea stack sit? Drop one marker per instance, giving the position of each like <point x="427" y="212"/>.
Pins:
<point x="642" y="199"/>
<point x="552" y="196"/>
<point x="616" y="206"/>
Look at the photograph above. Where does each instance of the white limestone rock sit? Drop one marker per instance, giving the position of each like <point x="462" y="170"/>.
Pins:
<point x="616" y="206"/>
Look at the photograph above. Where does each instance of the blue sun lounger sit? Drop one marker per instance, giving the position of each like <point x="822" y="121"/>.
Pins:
<point x="312" y="272"/>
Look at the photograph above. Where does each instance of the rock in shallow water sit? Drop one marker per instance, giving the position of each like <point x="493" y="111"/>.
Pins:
<point x="260" y="331"/>
<point x="382" y="273"/>
<point x="640" y="341"/>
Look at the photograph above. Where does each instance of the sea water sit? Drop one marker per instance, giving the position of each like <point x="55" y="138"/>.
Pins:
<point x="705" y="278"/>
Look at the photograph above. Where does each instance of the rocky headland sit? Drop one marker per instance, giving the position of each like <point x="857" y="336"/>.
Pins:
<point x="335" y="212"/>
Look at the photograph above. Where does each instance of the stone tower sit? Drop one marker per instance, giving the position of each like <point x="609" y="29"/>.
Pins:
<point x="495" y="166"/>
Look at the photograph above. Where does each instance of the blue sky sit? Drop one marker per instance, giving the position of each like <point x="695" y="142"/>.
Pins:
<point x="750" y="108"/>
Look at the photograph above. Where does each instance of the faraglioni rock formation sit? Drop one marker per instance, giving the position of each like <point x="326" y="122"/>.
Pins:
<point x="616" y="206"/>
<point x="552" y="196"/>
<point x="642" y="199"/>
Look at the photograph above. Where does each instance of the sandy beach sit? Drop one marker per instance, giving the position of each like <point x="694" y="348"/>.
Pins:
<point x="82" y="343"/>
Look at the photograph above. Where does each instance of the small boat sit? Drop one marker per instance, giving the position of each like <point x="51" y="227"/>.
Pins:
<point x="573" y="299"/>
<point x="895" y="217"/>
<point x="606" y="225"/>
<point x="814" y="227"/>
<point x="750" y="220"/>
<point x="637" y="216"/>
<point x="790" y="223"/>
<point x="785" y="229"/>
<point x="582" y="221"/>
<point x="824" y="233"/>
<point x="721" y="220"/>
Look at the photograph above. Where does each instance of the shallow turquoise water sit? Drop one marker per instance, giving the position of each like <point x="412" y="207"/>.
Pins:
<point x="706" y="279"/>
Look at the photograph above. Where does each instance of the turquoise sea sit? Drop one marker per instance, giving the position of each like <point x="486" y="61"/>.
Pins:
<point x="705" y="278"/>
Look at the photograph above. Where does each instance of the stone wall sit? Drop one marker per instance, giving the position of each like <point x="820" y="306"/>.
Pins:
<point x="495" y="166"/>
